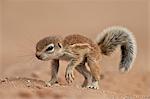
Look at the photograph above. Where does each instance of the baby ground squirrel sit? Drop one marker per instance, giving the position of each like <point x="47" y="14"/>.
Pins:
<point x="79" y="50"/>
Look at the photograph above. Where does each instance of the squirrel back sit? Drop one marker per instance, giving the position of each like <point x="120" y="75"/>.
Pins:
<point x="111" y="37"/>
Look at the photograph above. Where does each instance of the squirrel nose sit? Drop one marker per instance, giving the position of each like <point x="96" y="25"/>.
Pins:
<point x="38" y="56"/>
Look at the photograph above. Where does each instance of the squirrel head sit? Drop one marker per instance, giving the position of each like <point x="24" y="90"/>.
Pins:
<point x="49" y="48"/>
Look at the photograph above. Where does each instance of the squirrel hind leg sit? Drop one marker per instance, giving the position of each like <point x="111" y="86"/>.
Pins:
<point x="89" y="81"/>
<point x="93" y="85"/>
<point x="81" y="68"/>
<point x="95" y="72"/>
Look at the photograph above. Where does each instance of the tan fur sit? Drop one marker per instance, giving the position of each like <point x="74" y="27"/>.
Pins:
<point x="78" y="50"/>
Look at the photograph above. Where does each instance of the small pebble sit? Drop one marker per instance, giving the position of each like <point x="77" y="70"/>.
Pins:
<point x="28" y="85"/>
<point x="39" y="87"/>
<point x="3" y="80"/>
<point x="28" y="81"/>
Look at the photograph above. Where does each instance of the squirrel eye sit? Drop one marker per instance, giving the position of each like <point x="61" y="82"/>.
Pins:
<point x="50" y="48"/>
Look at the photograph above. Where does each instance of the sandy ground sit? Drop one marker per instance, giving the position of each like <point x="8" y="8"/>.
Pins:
<point x="26" y="79"/>
<point x="34" y="88"/>
<point x="24" y="22"/>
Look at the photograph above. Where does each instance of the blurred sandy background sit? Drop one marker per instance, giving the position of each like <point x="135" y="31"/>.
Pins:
<point x="24" y="22"/>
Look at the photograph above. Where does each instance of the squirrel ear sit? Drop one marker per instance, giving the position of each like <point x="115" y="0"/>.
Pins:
<point x="59" y="45"/>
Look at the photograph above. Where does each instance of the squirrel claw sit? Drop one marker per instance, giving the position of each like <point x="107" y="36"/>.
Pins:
<point x="69" y="76"/>
<point x="50" y="83"/>
<point x="93" y="85"/>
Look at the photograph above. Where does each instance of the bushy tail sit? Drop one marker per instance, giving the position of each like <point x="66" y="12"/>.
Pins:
<point x="111" y="37"/>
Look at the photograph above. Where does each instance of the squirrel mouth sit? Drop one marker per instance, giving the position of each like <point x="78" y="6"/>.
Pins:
<point x="38" y="57"/>
<point x="41" y="58"/>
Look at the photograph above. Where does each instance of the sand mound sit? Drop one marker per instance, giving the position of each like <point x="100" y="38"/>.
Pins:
<point x="33" y="88"/>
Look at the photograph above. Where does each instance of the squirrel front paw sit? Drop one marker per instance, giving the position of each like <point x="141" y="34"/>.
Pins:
<point x="69" y="76"/>
<point x="50" y="83"/>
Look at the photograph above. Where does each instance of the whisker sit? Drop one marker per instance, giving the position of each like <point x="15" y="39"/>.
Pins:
<point x="37" y="63"/>
<point x="32" y="41"/>
<point x="26" y="51"/>
<point x="34" y="63"/>
<point x="22" y="45"/>
<point x="25" y="60"/>
<point x="24" y="55"/>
